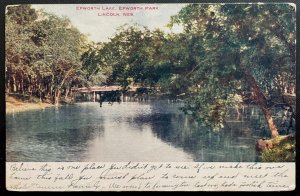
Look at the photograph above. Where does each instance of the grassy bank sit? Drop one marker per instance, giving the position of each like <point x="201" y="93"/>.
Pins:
<point x="13" y="105"/>
<point x="284" y="148"/>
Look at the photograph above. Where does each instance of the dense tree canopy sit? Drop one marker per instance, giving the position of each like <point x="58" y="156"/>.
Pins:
<point x="43" y="53"/>
<point x="247" y="50"/>
<point x="134" y="55"/>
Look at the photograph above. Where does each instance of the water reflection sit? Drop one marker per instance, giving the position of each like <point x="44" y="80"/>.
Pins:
<point x="130" y="131"/>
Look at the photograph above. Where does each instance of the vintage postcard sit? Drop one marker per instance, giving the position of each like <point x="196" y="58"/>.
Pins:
<point x="150" y="97"/>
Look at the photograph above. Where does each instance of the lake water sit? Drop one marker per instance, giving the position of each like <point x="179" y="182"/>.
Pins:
<point x="129" y="131"/>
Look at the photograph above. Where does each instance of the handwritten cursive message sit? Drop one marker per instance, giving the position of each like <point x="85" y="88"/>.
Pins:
<point x="149" y="176"/>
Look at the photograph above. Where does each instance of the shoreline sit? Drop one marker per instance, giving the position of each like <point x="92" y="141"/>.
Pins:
<point x="13" y="105"/>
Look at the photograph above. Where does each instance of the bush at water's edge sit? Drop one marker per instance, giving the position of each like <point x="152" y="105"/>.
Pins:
<point x="283" y="150"/>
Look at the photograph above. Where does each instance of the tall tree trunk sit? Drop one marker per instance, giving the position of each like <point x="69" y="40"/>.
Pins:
<point x="7" y="87"/>
<point x="14" y="84"/>
<point x="57" y="96"/>
<point x="262" y="103"/>
<point x="67" y="93"/>
<point x="60" y="86"/>
<point x="40" y="92"/>
<point x="22" y="86"/>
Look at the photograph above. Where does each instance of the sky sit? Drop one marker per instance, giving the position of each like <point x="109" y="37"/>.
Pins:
<point x="100" y="28"/>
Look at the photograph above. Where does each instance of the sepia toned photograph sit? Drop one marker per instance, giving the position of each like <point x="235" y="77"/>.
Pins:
<point x="150" y="82"/>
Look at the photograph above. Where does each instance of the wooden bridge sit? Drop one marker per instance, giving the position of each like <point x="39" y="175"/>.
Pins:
<point x="101" y="89"/>
<point x="96" y="92"/>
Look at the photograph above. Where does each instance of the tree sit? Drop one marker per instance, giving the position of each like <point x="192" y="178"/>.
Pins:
<point x="134" y="55"/>
<point x="62" y="42"/>
<point x="42" y="53"/>
<point x="18" y="46"/>
<point x="242" y="52"/>
<point x="94" y="73"/>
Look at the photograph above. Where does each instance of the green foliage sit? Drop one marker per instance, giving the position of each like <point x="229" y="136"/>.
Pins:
<point x="22" y="14"/>
<point x="19" y="48"/>
<point x="239" y="41"/>
<point x="134" y="55"/>
<point x="283" y="151"/>
<point x="42" y="53"/>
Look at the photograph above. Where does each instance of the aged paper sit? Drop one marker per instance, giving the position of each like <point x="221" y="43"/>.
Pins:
<point x="152" y="97"/>
<point x="149" y="176"/>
